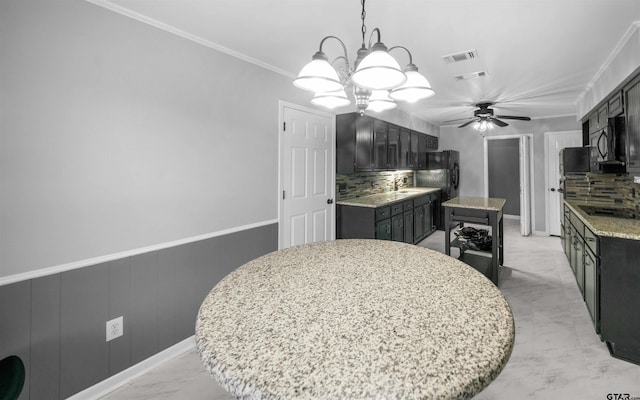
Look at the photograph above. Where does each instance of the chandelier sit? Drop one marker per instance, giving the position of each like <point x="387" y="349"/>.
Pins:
<point x="376" y="77"/>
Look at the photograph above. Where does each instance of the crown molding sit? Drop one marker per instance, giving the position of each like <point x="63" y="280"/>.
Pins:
<point x="614" y="53"/>
<point x="185" y="35"/>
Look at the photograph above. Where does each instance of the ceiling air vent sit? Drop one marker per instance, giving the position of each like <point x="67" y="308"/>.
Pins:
<point x="470" y="75"/>
<point x="465" y="55"/>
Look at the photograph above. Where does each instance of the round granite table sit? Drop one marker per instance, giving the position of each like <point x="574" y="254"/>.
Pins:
<point x="355" y="319"/>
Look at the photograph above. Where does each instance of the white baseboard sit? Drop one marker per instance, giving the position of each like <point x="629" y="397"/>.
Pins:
<point x="118" y="380"/>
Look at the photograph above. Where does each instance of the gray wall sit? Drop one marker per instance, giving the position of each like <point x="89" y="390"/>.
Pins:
<point x="504" y="172"/>
<point x="470" y="145"/>
<point x="56" y="323"/>
<point x="116" y="135"/>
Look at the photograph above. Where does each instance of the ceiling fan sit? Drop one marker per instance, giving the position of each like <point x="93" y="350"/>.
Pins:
<point x="485" y="119"/>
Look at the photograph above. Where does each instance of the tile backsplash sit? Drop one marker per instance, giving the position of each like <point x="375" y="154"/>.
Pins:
<point x="604" y="190"/>
<point x="365" y="183"/>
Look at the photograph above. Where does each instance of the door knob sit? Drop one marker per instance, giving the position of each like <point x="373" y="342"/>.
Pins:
<point x="553" y="189"/>
<point x="329" y="201"/>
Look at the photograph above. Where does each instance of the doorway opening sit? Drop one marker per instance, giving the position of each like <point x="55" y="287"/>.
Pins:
<point x="508" y="174"/>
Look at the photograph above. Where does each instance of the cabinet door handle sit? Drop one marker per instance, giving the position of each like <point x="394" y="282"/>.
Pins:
<point x="590" y="239"/>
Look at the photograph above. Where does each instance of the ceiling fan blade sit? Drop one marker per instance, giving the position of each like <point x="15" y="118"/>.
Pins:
<point x="467" y="123"/>
<point x="456" y="120"/>
<point x="514" y="117"/>
<point x="501" y="124"/>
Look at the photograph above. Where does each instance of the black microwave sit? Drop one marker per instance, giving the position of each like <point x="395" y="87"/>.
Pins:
<point x="575" y="160"/>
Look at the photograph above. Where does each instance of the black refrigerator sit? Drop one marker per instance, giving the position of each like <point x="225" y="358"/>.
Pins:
<point x="443" y="171"/>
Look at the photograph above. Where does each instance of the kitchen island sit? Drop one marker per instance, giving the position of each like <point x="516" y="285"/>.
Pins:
<point x="483" y="211"/>
<point x="355" y="319"/>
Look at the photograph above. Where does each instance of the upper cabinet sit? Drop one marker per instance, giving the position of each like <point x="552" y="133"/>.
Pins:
<point x="632" y="123"/>
<point x="598" y="119"/>
<point x="615" y="104"/>
<point x="366" y="144"/>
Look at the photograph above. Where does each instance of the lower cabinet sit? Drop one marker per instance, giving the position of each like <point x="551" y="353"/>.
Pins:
<point x="609" y="279"/>
<point x="591" y="287"/>
<point x="408" y="221"/>
<point x="397" y="228"/>
<point x="581" y="248"/>
<point x="408" y="226"/>
<point x="383" y="229"/>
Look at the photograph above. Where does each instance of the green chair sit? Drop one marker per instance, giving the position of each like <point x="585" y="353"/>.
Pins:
<point x="11" y="378"/>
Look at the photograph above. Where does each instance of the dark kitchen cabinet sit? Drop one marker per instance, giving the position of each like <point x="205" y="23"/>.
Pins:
<point x="405" y="139"/>
<point x="567" y="233"/>
<point x="408" y="221"/>
<point x="354" y="143"/>
<point x="413" y="150"/>
<point x="422" y="152"/>
<point x="592" y="286"/>
<point x="393" y="139"/>
<point x="577" y="251"/>
<point x="397" y="228"/>
<point x="432" y="143"/>
<point x="424" y="211"/>
<point x="380" y="148"/>
<point x="418" y="225"/>
<point x="383" y="229"/>
<point x="632" y="115"/>
<point x="408" y="227"/>
<point x="365" y="144"/>
<point x="615" y="104"/>
<point x="582" y="249"/>
<point x="619" y="296"/>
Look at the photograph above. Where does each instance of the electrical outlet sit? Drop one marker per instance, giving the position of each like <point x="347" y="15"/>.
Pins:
<point x="115" y="328"/>
<point x="636" y="179"/>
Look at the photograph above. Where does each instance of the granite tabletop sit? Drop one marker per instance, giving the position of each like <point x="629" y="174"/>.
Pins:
<point x="386" y="198"/>
<point x="623" y="228"/>
<point x="482" y="203"/>
<point x="355" y="319"/>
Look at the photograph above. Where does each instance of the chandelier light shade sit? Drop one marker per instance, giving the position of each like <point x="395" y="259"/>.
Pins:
<point x="376" y="77"/>
<point x="378" y="70"/>
<point x="417" y="87"/>
<point x="331" y="100"/>
<point x="318" y="75"/>
<point x="380" y="101"/>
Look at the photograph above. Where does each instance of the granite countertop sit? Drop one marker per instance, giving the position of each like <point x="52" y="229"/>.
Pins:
<point x="387" y="198"/>
<point x="623" y="228"/>
<point x="482" y="203"/>
<point x="340" y="320"/>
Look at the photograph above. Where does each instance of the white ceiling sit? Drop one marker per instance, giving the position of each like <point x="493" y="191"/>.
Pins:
<point x="539" y="55"/>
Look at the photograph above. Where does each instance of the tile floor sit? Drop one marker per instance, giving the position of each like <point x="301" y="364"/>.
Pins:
<point x="556" y="355"/>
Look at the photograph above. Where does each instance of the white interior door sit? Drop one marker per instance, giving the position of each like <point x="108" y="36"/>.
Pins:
<point x="307" y="176"/>
<point x="554" y="142"/>
<point x="525" y="185"/>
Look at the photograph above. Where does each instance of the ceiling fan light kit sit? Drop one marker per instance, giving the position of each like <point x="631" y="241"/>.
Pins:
<point x="483" y="119"/>
<point x="377" y="79"/>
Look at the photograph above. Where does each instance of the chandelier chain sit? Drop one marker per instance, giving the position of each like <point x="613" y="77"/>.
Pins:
<point x="363" y="15"/>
